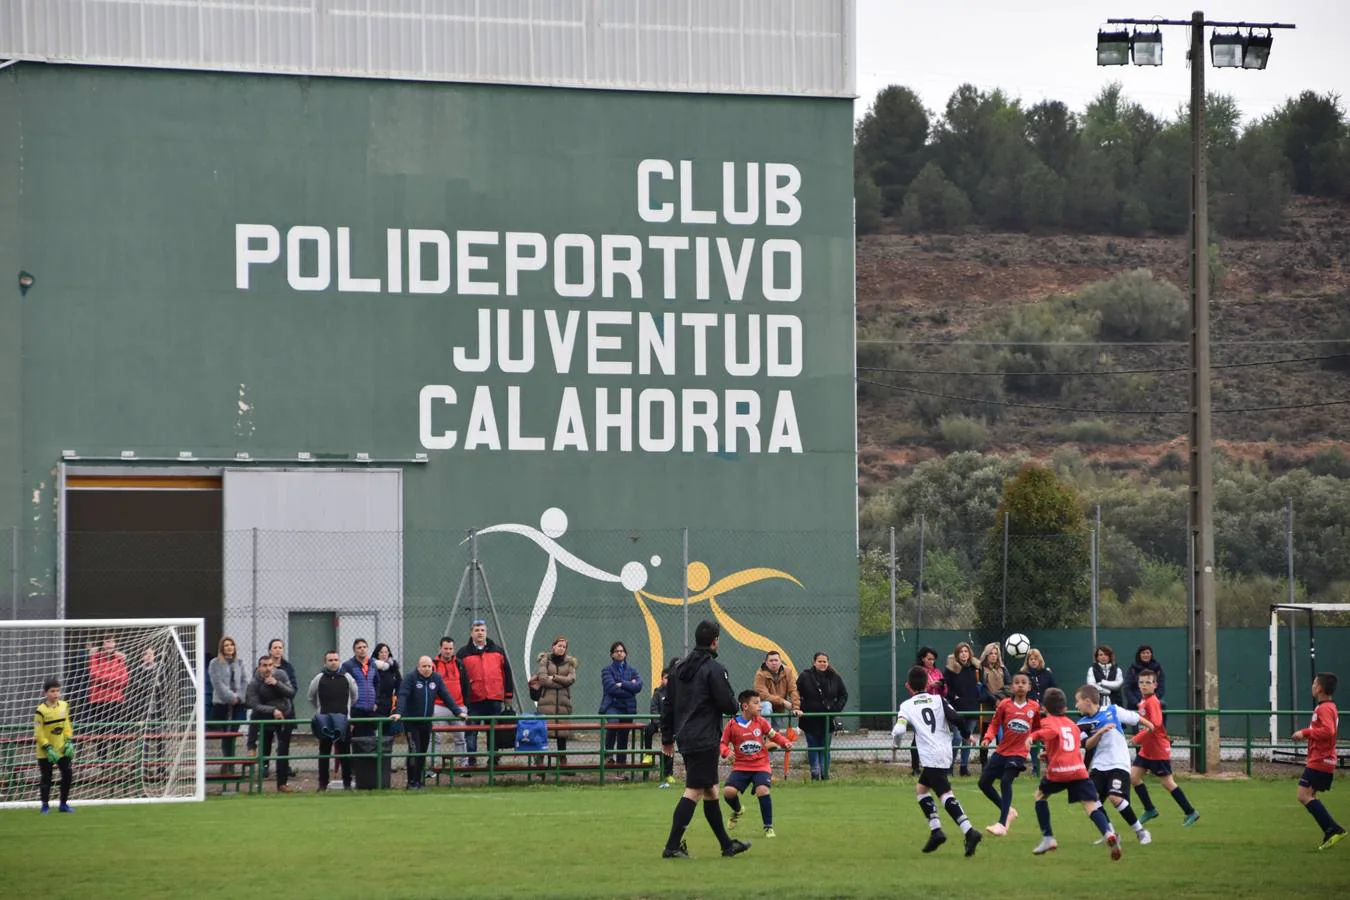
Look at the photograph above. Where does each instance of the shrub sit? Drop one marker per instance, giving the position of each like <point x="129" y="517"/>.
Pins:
<point x="1134" y="307"/>
<point x="963" y="432"/>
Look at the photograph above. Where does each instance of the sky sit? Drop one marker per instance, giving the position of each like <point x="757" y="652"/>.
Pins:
<point x="1046" y="50"/>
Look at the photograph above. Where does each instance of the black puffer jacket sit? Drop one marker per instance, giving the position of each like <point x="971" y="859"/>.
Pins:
<point x="821" y="692"/>
<point x="698" y="696"/>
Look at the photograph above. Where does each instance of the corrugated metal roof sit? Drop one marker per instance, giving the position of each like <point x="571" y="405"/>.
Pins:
<point x="794" y="47"/>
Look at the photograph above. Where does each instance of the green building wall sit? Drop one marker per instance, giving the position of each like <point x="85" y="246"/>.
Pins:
<point x="123" y="194"/>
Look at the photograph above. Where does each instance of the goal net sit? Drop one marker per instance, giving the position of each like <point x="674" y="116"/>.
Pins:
<point x="134" y="689"/>
<point x="1297" y="664"/>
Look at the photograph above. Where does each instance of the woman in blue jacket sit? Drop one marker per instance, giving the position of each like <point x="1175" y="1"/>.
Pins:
<point x="621" y="684"/>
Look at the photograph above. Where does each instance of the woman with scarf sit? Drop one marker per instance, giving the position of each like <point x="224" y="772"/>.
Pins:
<point x="962" y="680"/>
<point x="995" y="685"/>
<point x="554" y="674"/>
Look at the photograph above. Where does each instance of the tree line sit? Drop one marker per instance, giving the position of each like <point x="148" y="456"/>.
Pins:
<point x="1114" y="168"/>
<point x="1041" y="576"/>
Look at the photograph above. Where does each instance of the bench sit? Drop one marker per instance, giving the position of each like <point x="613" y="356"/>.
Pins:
<point x="240" y="771"/>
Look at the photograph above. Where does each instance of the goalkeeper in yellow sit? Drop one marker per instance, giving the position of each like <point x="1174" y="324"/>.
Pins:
<point x="55" y="744"/>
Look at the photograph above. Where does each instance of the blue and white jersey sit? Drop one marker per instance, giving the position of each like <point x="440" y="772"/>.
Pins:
<point x="1113" y="750"/>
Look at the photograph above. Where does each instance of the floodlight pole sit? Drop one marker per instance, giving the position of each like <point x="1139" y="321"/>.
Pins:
<point x="1204" y="626"/>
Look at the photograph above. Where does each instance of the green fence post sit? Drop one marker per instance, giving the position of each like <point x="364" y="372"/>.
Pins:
<point x="1248" y="717"/>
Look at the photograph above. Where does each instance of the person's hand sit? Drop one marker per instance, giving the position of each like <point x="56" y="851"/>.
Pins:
<point x="394" y="717"/>
<point x="278" y="714"/>
<point x="464" y="714"/>
<point x="69" y="750"/>
<point x="1297" y="735"/>
<point x="271" y="679"/>
<point x="668" y="749"/>
<point x="52" y="755"/>
<point x="1107" y="727"/>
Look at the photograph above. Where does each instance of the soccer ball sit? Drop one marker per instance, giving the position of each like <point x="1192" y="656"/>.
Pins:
<point x="1017" y="645"/>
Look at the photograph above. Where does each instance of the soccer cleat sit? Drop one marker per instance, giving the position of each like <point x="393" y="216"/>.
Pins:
<point x="45" y="809"/>
<point x="1144" y="836"/>
<point x="973" y="838"/>
<point x="1191" y="819"/>
<point x="1332" y="838"/>
<point x="1046" y="845"/>
<point x="935" y="840"/>
<point x="735" y="847"/>
<point x="735" y="819"/>
<point x="997" y="829"/>
<point x="769" y="832"/>
<point x="678" y="853"/>
<point x="1012" y="814"/>
<point x="1113" y="841"/>
<point x="1099" y="841"/>
<point x="64" y="807"/>
<point x="664" y="784"/>
<point x="1147" y="816"/>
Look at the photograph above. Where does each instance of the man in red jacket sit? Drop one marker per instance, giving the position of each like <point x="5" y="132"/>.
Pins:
<point x="485" y="680"/>
<point x="108" y="677"/>
<point x="447" y="666"/>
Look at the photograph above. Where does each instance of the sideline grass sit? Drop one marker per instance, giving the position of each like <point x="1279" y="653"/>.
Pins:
<point x="841" y="839"/>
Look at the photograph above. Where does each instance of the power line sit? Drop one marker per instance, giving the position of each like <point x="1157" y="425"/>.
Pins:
<point x="964" y="343"/>
<point x="1102" y="412"/>
<point x="1172" y="369"/>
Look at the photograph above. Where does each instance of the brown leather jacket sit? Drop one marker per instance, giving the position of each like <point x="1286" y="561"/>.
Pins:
<point x="781" y="691"/>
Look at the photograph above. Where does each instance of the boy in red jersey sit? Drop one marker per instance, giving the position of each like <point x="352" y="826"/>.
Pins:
<point x="1064" y="771"/>
<point x="1155" y="755"/>
<point x="1018" y="717"/>
<point x="1321" y="738"/>
<point x="744" y="739"/>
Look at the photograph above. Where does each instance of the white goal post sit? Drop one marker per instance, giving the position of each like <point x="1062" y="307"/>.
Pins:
<point x="137" y="714"/>
<point x="1292" y="610"/>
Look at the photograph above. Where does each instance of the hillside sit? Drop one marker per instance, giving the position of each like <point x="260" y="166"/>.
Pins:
<point x="923" y="298"/>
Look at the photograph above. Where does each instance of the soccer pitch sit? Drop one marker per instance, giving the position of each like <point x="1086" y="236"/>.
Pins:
<point x="845" y="838"/>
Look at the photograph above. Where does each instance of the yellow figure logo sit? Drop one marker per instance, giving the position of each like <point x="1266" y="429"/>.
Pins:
<point x="699" y="576"/>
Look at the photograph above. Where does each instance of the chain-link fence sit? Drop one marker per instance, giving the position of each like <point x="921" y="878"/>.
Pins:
<point x="793" y="591"/>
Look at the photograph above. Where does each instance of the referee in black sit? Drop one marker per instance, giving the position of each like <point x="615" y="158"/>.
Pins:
<point x="698" y="695"/>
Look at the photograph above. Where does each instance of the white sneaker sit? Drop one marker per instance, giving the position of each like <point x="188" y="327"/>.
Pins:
<point x="1144" y="836"/>
<point x="1100" y="840"/>
<point x="1046" y="845"/>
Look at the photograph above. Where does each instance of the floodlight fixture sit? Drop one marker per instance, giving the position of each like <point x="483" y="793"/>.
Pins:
<point x="1256" y="52"/>
<point x="1146" y="47"/>
<point x="1225" y="50"/>
<point x="1113" y="48"/>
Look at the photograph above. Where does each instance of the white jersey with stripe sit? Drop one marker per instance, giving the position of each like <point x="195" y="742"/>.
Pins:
<point x="927" y="715"/>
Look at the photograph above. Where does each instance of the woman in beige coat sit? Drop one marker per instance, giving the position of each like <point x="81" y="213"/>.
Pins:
<point x="554" y="673"/>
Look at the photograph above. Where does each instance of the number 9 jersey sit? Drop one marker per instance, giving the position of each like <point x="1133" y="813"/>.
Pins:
<point x="929" y="715"/>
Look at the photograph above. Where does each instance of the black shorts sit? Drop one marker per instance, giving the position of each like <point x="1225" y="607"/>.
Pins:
<point x="1318" y="781"/>
<point x="939" y="781"/>
<point x="742" y="780"/>
<point x="700" y="769"/>
<point x="1111" y="783"/>
<point x="1159" y="767"/>
<point x="999" y="764"/>
<point x="1080" y="791"/>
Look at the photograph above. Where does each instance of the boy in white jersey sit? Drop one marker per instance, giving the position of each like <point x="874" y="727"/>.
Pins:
<point x="1102" y="727"/>
<point x="932" y="718"/>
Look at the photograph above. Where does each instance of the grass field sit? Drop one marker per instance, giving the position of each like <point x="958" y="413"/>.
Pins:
<point x="846" y="838"/>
